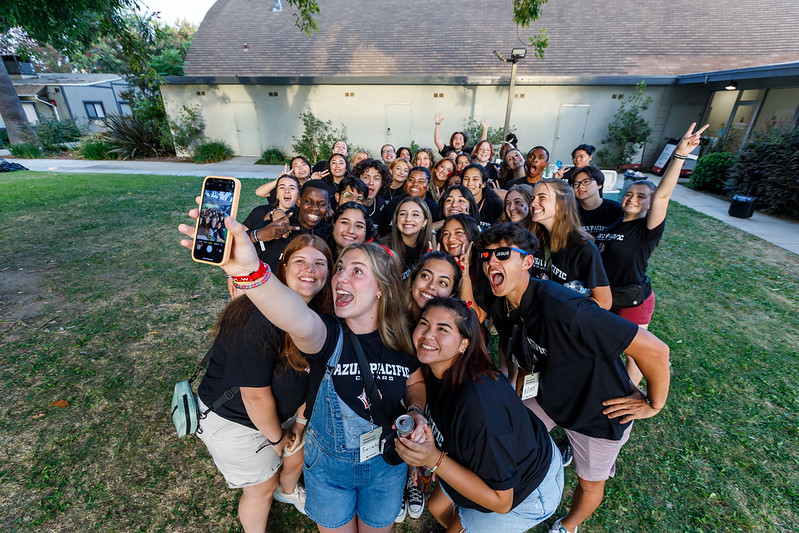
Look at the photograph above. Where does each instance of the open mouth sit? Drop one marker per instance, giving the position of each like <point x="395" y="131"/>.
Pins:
<point x="427" y="295"/>
<point x="497" y="278"/>
<point x="343" y="298"/>
<point x="312" y="217"/>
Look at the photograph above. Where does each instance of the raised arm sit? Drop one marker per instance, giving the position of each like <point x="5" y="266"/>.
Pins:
<point x="437" y="132"/>
<point x="652" y="357"/>
<point x="485" y="124"/>
<point x="280" y="305"/>
<point x="662" y="195"/>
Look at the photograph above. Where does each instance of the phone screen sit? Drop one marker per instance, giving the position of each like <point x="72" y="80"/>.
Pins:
<point x="217" y="203"/>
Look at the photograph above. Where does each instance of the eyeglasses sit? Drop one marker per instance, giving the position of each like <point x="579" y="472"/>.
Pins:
<point x="348" y="196"/>
<point x="584" y="183"/>
<point x="502" y="253"/>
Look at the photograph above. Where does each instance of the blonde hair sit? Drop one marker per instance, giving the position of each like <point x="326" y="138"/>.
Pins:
<point x="392" y="317"/>
<point x="566" y="228"/>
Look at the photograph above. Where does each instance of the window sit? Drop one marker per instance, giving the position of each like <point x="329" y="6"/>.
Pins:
<point x="124" y="108"/>
<point x="94" y="110"/>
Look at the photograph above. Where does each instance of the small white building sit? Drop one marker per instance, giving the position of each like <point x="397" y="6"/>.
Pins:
<point x="383" y="69"/>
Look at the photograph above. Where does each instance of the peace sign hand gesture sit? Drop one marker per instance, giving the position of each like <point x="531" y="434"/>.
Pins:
<point x="690" y="140"/>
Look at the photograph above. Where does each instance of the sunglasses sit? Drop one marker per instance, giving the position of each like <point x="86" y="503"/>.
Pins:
<point x="502" y="253"/>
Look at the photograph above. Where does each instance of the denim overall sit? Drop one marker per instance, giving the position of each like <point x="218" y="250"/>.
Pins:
<point x="338" y="485"/>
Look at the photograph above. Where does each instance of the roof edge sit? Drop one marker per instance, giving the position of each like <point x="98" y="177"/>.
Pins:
<point x="782" y="70"/>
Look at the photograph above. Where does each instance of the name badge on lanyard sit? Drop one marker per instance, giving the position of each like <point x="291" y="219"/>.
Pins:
<point x="530" y="386"/>
<point x="370" y="444"/>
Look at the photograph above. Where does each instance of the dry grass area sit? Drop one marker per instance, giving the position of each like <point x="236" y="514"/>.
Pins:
<point x="101" y="312"/>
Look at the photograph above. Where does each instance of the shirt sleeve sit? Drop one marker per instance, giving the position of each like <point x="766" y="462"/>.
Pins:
<point x="595" y="275"/>
<point x="251" y="352"/>
<point x="331" y="337"/>
<point x="608" y="334"/>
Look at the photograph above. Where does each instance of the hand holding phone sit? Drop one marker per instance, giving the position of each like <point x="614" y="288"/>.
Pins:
<point x="219" y="199"/>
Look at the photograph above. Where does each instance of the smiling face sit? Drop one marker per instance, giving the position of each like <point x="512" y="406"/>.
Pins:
<point x="581" y="158"/>
<point x="410" y="219"/>
<point x="416" y="184"/>
<point x="456" y="203"/>
<point x="422" y="159"/>
<point x="340" y="148"/>
<point x="350" y="227"/>
<point x="472" y="179"/>
<point x="338" y="167"/>
<point x="585" y="188"/>
<point x="514" y="159"/>
<point x="287" y="193"/>
<point x="400" y="173"/>
<point x="373" y="180"/>
<point x="544" y="206"/>
<point x="458" y="142"/>
<point x="404" y="153"/>
<point x="483" y="152"/>
<point x="537" y="162"/>
<point x="443" y="170"/>
<point x="454" y="239"/>
<point x="461" y="162"/>
<point x="300" y="168"/>
<point x="636" y="201"/>
<point x="437" y="339"/>
<point x="313" y="207"/>
<point x="434" y="279"/>
<point x="306" y="272"/>
<point x="355" y="288"/>
<point x="388" y="154"/>
<point x="516" y="207"/>
<point x="359" y="157"/>
<point x="508" y="278"/>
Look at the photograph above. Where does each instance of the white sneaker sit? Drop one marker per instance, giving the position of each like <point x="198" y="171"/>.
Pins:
<point x="403" y="511"/>
<point x="296" y="498"/>
<point x="415" y="499"/>
<point x="557" y="527"/>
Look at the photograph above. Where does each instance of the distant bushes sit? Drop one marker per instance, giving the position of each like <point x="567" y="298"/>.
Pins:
<point x="25" y="151"/>
<point x="273" y="156"/>
<point x="95" y="150"/>
<point x="130" y="137"/>
<point x="767" y="167"/>
<point x="54" y="132"/>
<point x="712" y="172"/>
<point x="212" y="152"/>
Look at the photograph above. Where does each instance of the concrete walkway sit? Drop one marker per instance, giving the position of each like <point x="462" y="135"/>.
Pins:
<point x="783" y="233"/>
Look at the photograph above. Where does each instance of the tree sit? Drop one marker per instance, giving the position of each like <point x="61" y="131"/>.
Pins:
<point x="628" y="129"/>
<point x="68" y="26"/>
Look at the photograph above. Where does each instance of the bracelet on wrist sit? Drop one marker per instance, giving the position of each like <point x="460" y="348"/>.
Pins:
<point x="255" y="279"/>
<point x="273" y="443"/>
<point x="415" y="408"/>
<point x="300" y="420"/>
<point x="438" y="463"/>
<point x="675" y="155"/>
<point x="255" y="235"/>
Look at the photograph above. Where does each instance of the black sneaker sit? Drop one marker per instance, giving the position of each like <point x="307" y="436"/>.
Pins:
<point x="415" y="500"/>
<point x="566" y="452"/>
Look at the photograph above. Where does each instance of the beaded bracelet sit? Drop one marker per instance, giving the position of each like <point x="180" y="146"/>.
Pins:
<point x="438" y="463"/>
<point x="675" y="155"/>
<point x="253" y="280"/>
<point x="415" y="408"/>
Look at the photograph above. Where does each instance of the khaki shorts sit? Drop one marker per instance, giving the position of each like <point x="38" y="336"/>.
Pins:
<point x="594" y="458"/>
<point x="242" y="454"/>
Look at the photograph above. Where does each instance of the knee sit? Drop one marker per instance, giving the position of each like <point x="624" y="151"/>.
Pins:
<point x="262" y="490"/>
<point x="592" y="487"/>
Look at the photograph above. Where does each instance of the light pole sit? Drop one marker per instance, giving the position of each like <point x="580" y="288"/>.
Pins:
<point x="515" y="55"/>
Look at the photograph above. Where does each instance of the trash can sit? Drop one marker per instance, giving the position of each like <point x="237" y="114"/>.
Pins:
<point x="742" y="206"/>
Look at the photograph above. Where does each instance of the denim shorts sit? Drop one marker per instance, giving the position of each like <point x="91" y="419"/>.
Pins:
<point x="537" y="507"/>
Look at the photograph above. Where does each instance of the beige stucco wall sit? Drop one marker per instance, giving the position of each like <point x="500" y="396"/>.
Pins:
<point x="266" y="120"/>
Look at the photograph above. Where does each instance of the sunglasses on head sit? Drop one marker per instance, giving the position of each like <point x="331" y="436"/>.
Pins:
<point x="502" y="253"/>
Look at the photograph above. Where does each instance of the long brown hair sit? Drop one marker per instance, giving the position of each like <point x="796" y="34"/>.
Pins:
<point x="392" y="316"/>
<point x="240" y="310"/>
<point x="425" y="235"/>
<point x="566" y="229"/>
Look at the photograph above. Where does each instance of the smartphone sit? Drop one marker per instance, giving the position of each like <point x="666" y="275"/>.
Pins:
<point x="220" y="198"/>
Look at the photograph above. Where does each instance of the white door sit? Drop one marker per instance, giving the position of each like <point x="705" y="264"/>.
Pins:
<point x="248" y="129"/>
<point x="398" y="125"/>
<point x="570" y="132"/>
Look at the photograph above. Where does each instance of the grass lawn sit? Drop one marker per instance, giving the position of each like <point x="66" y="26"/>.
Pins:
<point x="101" y="312"/>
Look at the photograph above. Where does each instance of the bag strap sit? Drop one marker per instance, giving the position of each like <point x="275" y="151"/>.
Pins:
<point x="201" y="366"/>
<point x="227" y="395"/>
<point x="375" y="403"/>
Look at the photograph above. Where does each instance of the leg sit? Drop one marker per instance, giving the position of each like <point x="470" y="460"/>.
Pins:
<point x="632" y="368"/>
<point x="586" y="499"/>
<point x="254" y="505"/>
<point x="290" y="472"/>
<point x="441" y="507"/>
<point x="349" y="527"/>
<point x="363" y="528"/>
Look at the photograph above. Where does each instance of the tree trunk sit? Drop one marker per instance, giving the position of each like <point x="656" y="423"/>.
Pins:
<point x="17" y="125"/>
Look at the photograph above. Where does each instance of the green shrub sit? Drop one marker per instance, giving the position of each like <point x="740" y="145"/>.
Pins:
<point x="711" y="172"/>
<point x="628" y="129"/>
<point x="189" y="129"/>
<point x="3" y="137"/>
<point x="474" y="131"/>
<point x="25" y="151"/>
<point x="317" y="139"/>
<point x="130" y="137"/>
<point x="767" y="167"/>
<point x="212" y="152"/>
<point x="273" y="156"/>
<point x="95" y="150"/>
<point x="52" y="132"/>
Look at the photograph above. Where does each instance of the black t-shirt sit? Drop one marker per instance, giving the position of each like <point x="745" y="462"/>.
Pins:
<point x="390" y="368"/>
<point x="490" y="208"/>
<point x="578" y="346"/>
<point x="320" y="166"/>
<point x="260" y="216"/>
<point x="576" y="262"/>
<point x="626" y="248"/>
<point x="596" y="220"/>
<point x="449" y="148"/>
<point x="486" y="428"/>
<point x="376" y="209"/>
<point x="491" y="170"/>
<point x="247" y="356"/>
<point x="270" y="252"/>
<point x="387" y="215"/>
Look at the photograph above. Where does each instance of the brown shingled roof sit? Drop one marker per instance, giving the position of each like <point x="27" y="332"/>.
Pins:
<point x="450" y="38"/>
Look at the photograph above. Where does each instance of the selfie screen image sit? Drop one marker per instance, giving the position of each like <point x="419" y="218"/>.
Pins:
<point x="211" y="232"/>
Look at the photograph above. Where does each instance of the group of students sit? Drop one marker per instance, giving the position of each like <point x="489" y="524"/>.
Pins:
<point x="408" y="286"/>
